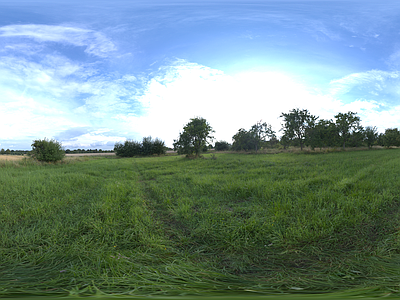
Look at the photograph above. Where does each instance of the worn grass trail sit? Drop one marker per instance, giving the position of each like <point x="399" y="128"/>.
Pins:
<point x="165" y="226"/>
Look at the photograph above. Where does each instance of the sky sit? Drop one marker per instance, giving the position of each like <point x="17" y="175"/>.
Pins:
<point x="92" y="73"/>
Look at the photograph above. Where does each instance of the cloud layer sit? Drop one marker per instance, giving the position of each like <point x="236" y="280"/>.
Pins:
<point x="95" y="43"/>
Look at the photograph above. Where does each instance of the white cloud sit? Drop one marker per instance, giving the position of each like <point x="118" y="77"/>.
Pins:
<point x="41" y="98"/>
<point x="374" y="78"/>
<point x="24" y="117"/>
<point x="95" y="139"/>
<point x="229" y="102"/>
<point x="95" y="42"/>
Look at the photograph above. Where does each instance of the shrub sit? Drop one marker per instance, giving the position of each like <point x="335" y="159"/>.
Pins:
<point x="47" y="150"/>
<point x="128" y="149"/>
<point x="222" y="146"/>
<point x="147" y="147"/>
<point x="158" y="147"/>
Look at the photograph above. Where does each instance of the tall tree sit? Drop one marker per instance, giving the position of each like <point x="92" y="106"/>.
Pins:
<point x="296" y="123"/>
<point x="261" y="132"/>
<point x="222" y="146"/>
<point x="195" y="136"/>
<point x="391" y="137"/>
<point x="347" y="124"/>
<point x="371" y="135"/>
<point x="243" y="140"/>
<point x="254" y="138"/>
<point x="323" y="134"/>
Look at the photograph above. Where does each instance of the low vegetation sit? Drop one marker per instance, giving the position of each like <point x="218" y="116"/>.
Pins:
<point x="47" y="150"/>
<point x="147" y="147"/>
<point x="237" y="223"/>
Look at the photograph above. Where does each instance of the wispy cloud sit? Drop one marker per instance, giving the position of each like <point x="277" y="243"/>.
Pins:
<point x="44" y="93"/>
<point x="95" y="42"/>
<point x="370" y="82"/>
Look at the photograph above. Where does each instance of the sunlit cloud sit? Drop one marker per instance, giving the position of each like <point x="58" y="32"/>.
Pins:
<point x="86" y="137"/>
<point x="228" y="102"/>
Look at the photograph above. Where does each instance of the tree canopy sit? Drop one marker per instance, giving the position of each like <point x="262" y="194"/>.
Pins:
<point x="195" y="137"/>
<point x="254" y="138"/>
<point x="347" y="124"/>
<point x="47" y="150"/>
<point x="296" y="123"/>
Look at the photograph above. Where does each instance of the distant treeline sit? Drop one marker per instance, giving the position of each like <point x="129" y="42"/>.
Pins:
<point x="300" y="129"/>
<point x="148" y="146"/>
<point x="68" y="151"/>
<point x="13" y="152"/>
<point x="23" y="152"/>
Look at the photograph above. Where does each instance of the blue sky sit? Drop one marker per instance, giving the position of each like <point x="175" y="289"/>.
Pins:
<point x="92" y="73"/>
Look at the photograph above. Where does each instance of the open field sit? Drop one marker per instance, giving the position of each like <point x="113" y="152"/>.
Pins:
<point x="89" y="154"/>
<point x="229" y="223"/>
<point x="11" y="157"/>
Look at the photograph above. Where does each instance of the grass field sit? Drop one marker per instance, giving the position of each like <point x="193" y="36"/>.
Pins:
<point x="226" y="224"/>
<point x="11" y="157"/>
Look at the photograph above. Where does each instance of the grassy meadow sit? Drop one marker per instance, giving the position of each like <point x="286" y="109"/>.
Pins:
<point x="222" y="225"/>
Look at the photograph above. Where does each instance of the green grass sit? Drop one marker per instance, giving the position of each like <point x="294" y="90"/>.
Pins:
<point x="243" y="224"/>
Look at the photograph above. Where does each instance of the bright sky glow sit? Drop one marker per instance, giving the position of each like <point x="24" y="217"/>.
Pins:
<point x="91" y="73"/>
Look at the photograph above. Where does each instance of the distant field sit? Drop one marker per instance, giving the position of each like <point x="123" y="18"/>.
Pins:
<point x="11" y="157"/>
<point x="89" y="154"/>
<point x="222" y="225"/>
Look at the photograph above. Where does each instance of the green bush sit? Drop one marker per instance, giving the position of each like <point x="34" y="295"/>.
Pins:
<point x="158" y="147"/>
<point x="222" y="146"/>
<point x="47" y="150"/>
<point x="147" y="147"/>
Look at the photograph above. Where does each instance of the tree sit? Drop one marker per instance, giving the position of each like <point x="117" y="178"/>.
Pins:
<point x="147" y="147"/>
<point x="261" y="131"/>
<point x="129" y="148"/>
<point x="357" y="137"/>
<point x="222" y="146"/>
<point x="296" y="124"/>
<point x="47" y="150"/>
<point x="323" y="134"/>
<point x="253" y="139"/>
<point x="371" y="135"/>
<point x="381" y="139"/>
<point x="158" y="147"/>
<point x="195" y="136"/>
<point x="243" y="140"/>
<point x="391" y="137"/>
<point x="347" y="124"/>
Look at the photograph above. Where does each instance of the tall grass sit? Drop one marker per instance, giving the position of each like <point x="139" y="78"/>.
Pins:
<point x="169" y="225"/>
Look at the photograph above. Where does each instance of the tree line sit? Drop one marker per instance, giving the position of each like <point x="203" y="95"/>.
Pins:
<point x="13" y="152"/>
<point x="299" y="127"/>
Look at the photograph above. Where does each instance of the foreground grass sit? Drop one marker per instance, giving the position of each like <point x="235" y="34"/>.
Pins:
<point x="236" y="224"/>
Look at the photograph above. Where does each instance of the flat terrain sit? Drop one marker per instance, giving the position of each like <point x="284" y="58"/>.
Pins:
<point x="228" y="223"/>
<point x="89" y="154"/>
<point x="11" y="157"/>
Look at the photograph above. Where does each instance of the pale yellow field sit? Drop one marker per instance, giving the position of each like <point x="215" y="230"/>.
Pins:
<point x="11" y="157"/>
